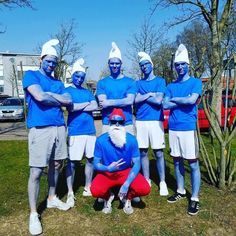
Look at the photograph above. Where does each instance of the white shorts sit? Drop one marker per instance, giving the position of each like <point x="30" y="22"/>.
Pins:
<point x="150" y="131"/>
<point x="128" y="128"/>
<point x="47" y="143"/>
<point x="183" y="144"/>
<point x="80" y="145"/>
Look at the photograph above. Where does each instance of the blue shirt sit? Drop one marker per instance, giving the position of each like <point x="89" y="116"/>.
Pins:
<point x="80" y="122"/>
<point x="183" y="117"/>
<point x="148" y="111"/>
<point x="39" y="114"/>
<point x="116" y="89"/>
<point x="109" y="153"/>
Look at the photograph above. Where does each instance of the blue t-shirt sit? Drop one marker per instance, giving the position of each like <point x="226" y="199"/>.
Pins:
<point x="108" y="152"/>
<point x="183" y="117"/>
<point x="116" y="89"/>
<point x="80" y="122"/>
<point x="148" y="111"/>
<point x="39" y="114"/>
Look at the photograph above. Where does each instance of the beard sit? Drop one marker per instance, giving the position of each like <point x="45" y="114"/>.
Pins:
<point x="117" y="135"/>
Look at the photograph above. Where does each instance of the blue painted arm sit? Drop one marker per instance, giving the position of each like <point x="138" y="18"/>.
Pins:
<point x="36" y="91"/>
<point x="64" y="99"/>
<point x="167" y="104"/>
<point x="156" y="99"/>
<point x="142" y="97"/>
<point x="114" y="166"/>
<point x="132" y="174"/>
<point x="92" y="106"/>
<point x="189" y="100"/>
<point x="104" y="102"/>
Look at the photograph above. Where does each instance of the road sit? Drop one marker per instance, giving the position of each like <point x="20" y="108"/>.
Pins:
<point x="18" y="131"/>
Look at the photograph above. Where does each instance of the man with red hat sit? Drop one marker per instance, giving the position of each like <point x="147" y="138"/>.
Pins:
<point x="117" y="161"/>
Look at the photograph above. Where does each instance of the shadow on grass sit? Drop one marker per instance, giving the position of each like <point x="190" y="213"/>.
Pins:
<point x="62" y="190"/>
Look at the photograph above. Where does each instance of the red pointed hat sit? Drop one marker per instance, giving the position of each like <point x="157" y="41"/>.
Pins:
<point x="117" y="114"/>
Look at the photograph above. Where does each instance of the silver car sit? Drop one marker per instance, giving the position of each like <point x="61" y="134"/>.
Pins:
<point x="12" y="109"/>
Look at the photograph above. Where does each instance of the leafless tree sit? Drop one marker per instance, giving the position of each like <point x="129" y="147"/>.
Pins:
<point x="146" y="39"/>
<point x="218" y="16"/>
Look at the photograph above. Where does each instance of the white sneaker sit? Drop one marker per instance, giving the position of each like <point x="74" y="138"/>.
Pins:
<point x="35" y="227"/>
<point x="136" y="199"/>
<point x="87" y="192"/>
<point x="100" y="200"/>
<point x="149" y="182"/>
<point x="70" y="199"/>
<point x="163" y="189"/>
<point x="107" y="209"/>
<point x="128" y="209"/>
<point x="55" y="202"/>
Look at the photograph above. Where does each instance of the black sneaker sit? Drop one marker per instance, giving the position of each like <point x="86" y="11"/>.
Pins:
<point x="174" y="198"/>
<point x="193" y="208"/>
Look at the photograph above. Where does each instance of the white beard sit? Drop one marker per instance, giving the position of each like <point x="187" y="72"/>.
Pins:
<point x="117" y="135"/>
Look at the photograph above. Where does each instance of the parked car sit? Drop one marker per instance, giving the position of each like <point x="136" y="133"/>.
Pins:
<point x="12" y="109"/>
<point x="202" y="119"/>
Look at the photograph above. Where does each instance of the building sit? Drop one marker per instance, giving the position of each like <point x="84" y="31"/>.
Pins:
<point x="12" y="68"/>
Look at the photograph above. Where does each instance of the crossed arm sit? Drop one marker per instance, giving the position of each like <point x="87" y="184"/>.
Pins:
<point x="104" y="102"/>
<point x="153" y="98"/>
<point x="170" y="103"/>
<point x="85" y="106"/>
<point x="49" y="98"/>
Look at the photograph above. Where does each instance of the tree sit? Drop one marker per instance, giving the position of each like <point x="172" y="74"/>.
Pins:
<point x="69" y="49"/>
<point x="218" y="16"/>
<point x="196" y="37"/>
<point x="162" y="59"/>
<point x="146" y="39"/>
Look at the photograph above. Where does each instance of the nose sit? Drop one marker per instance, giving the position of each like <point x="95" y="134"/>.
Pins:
<point x="117" y="124"/>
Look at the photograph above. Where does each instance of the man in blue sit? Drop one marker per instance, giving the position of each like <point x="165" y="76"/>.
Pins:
<point x="117" y="161"/>
<point x="181" y="98"/>
<point x="81" y="130"/>
<point x="116" y="91"/>
<point x="149" y="119"/>
<point x="45" y="95"/>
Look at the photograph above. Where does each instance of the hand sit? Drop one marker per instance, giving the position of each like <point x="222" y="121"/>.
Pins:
<point x="104" y="103"/>
<point x="123" y="191"/>
<point x="152" y="94"/>
<point x="115" y="165"/>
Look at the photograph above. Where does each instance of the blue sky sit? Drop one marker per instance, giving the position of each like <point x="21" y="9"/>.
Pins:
<point x="98" y="24"/>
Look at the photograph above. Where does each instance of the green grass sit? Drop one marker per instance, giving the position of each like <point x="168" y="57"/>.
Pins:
<point x="217" y="214"/>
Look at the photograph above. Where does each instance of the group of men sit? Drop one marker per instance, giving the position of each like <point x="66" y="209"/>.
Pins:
<point x="117" y="155"/>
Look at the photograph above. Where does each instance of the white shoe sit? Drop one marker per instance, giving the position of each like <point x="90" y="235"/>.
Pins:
<point x="55" y="202"/>
<point x="163" y="189"/>
<point x="136" y="199"/>
<point x="107" y="209"/>
<point x="87" y="192"/>
<point x="100" y="200"/>
<point x="70" y="199"/>
<point x="128" y="209"/>
<point x="149" y="182"/>
<point x="35" y="227"/>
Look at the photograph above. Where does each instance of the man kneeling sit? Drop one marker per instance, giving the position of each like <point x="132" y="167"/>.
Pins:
<point x="117" y="162"/>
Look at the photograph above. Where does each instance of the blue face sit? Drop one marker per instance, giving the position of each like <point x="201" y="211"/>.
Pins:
<point x="117" y="121"/>
<point x="114" y="66"/>
<point x="49" y="64"/>
<point x="146" y="67"/>
<point x="78" y="78"/>
<point x="181" y="68"/>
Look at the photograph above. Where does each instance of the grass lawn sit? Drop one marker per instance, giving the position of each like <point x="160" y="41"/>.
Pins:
<point x="155" y="216"/>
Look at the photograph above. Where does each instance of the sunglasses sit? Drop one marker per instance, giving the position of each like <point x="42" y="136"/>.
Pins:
<point x="120" y="122"/>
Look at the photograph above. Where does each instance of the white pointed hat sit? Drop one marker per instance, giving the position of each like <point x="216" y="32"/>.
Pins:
<point x="115" y="52"/>
<point x="78" y="66"/>
<point x="144" y="56"/>
<point x="49" y="49"/>
<point x="181" y="55"/>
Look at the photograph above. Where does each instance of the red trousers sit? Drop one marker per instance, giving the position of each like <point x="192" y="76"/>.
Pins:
<point x="105" y="180"/>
